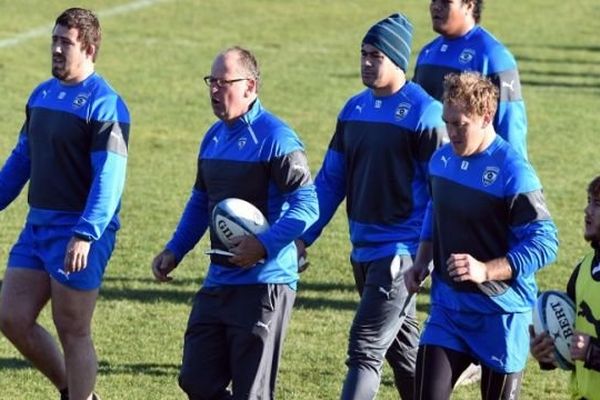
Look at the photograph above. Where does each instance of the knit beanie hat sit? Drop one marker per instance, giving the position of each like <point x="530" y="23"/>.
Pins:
<point x="392" y="36"/>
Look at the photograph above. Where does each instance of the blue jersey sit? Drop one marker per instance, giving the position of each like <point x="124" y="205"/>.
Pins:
<point x="73" y="150"/>
<point x="261" y="160"/>
<point x="489" y="205"/>
<point x="478" y="51"/>
<point x="377" y="160"/>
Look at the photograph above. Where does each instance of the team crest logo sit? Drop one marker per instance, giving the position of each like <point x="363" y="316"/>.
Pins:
<point x="242" y="142"/>
<point x="80" y="100"/>
<point x="490" y="175"/>
<point x="466" y="56"/>
<point x="402" y="111"/>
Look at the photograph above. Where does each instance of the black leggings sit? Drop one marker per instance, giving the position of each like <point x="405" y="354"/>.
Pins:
<point x="438" y="368"/>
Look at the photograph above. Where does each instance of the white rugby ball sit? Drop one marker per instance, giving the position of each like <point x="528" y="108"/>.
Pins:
<point x="555" y="313"/>
<point x="235" y="217"/>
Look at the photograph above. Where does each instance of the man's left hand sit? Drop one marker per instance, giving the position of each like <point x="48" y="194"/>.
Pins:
<point x="248" y="251"/>
<point x="579" y="345"/>
<point x="76" y="255"/>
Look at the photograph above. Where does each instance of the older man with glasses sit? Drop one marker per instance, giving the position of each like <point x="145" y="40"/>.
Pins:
<point x="240" y="315"/>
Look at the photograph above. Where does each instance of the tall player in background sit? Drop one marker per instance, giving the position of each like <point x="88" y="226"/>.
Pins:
<point x="73" y="150"/>
<point x="488" y="231"/>
<point x="584" y="289"/>
<point x="464" y="45"/>
<point x="377" y="160"/>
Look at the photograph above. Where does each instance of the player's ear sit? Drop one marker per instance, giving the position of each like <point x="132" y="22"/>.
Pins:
<point x="488" y="118"/>
<point x="91" y="51"/>
<point x="251" y="87"/>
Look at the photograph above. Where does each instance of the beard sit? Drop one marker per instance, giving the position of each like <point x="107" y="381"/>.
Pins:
<point x="59" y="67"/>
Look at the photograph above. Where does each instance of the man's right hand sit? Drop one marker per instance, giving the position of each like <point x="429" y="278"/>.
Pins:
<point x="541" y="347"/>
<point x="163" y="264"/>
<point x="302" y="254"/>
<point x="414" y="277"/>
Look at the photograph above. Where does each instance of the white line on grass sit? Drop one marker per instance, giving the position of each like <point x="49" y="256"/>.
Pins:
<point x="45" y="30"/>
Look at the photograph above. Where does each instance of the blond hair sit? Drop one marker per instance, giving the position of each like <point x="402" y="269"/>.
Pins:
<point x="472" y="93"/>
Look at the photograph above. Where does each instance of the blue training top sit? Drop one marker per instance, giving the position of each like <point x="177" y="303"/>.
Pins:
<point x="261" y="160"/>
<point x="73" y="150"/>
<point x="488" y="205"/>
<point x="377" y="160"/>
<point x="479" y="51"/>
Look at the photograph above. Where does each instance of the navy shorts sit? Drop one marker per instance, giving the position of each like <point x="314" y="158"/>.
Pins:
<point x="43" y="248"/>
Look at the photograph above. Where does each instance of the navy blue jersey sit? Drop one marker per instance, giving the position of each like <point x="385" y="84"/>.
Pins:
<point x="489" y="205"/>
<point x="261" y="160"/>
<point x="478" y="51"/>
<point x="73" y="150"/>
<point x="377" y="160"/>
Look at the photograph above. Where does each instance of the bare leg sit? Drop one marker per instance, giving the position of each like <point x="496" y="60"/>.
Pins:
<point x="72" y="311"/>
<point x="24" y="293"/>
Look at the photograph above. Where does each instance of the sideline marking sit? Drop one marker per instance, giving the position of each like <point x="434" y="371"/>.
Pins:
<point x="46" y="29"/>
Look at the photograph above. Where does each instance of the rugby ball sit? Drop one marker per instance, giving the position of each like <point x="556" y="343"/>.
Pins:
<point x="235" y="217"/>
<point x="555" y="313"/>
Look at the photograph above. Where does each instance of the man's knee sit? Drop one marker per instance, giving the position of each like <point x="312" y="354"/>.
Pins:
<point x="14" y="324"/>
<point x="199" y="386"/>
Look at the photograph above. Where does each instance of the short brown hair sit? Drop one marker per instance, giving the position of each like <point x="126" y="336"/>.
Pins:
<point x="471" y="92"/>
<point x="87" y="24"/>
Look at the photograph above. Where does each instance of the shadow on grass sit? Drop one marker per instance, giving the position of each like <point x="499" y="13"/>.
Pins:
<point x="324" y="286"/>
<point x="322" y="302"/>
<point x="147" y="295"/>
<point x="559" y="74"/>
<point x="151" y="281"/>
<point x="14" y="363"/>
<point x="561" y="47"/>
<point x="570" y="85"/>
<point x="150" y="369"/>
<point x="105" y="368"/>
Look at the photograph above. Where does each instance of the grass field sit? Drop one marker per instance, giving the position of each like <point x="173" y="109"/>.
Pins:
<point x="155" y="53"/>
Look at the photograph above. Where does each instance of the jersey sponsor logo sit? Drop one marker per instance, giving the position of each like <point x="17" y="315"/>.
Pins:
<point x="44" y="93"/>
<point x="242" y="142"/>
<point x="80" y="100"/>
<point x="402" y="111"/>
<point x="358" y="108"/>
<point x="466" y="56"/>
<point x="377" y="103"/>
<point x="445" y="160"/>
<point x="490" y="175"/>
<point x="510" y="85"/>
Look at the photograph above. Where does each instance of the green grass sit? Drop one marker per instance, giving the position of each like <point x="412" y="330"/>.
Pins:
<point x="309" y="51"/>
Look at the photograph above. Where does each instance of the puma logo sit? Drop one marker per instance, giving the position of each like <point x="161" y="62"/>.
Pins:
<point x="586" y="312"/>
<point x="510" y="85"/>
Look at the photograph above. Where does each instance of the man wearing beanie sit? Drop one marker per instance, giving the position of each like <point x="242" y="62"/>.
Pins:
<point x="377" y="161"/>
<point x="464" y="45"/>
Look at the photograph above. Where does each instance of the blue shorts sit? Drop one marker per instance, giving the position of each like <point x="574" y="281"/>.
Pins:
<point x="498" y="341"/>
<point x="43" y="248"/>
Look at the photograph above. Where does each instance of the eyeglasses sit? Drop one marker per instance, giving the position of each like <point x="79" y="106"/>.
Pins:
<point x="211" y="80"/>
